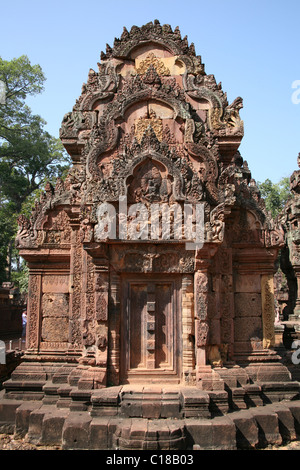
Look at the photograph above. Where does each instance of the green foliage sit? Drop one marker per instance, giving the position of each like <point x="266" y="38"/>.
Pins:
<point x="29" y="155"/>
<point x="275" y="194"/>
<point x="20" y="277"/>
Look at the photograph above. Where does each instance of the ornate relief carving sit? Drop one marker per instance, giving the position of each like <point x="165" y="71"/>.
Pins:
<point x="155" y="62"/>
<point x="142" y="124"/>
<point x="157" y="259"/>
<point x="34" y="310"/>
<point x="202" y="330"/>
<point x="150" y="183"/>
<point x="159" y="134"/>
<point x="268" y="313"/>
<point x="76" y="276"/>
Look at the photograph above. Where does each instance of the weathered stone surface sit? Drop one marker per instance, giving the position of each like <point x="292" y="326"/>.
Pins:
<point x="268" y="426"/>
<point x="125" y="301"/>
<point x="55" y="329"/>
<point x="246" y="430"/>
<point x="22" y="416"/>
<point x="75" y="432"/>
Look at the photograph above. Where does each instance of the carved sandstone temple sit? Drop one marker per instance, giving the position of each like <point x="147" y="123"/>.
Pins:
<point x="124" y="301"/>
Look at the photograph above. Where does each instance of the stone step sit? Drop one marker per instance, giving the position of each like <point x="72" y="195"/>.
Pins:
<point x="258" y="427"/>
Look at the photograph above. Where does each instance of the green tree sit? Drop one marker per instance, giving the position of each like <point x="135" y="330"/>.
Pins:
<point x="29" y="155"/>
<point x="275" y="194"/>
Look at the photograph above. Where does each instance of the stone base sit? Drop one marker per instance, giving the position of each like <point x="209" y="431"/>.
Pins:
<point x="253" y="428"/>
<point x="230" y="408"/>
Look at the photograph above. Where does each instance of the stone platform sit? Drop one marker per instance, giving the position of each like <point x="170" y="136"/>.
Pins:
<point x="273" y="424"/>
<point x="233" y="414"/>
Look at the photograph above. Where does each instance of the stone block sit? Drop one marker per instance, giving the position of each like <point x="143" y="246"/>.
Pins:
<point x="64" y="396"/>
<point x="122" y="434"/>
<point x="30" y="371"/>
<point x="92" y="378"/>
<point x="247" y="304"/>
<point x="170" y="404"/>
<point x="223" y="434"/>
<point x="268" y="427"/>
<point x="75" y="433"/>
<point x="246" y="328"/>
<point x="105" y="402"/>
<point x="218" y="404"/>
<point x="52" y="427"/>
<point x="7" y="414"/>
<point x="151" y="406"/>
<point x="277" y="391"/>
<point x="114" y="426"/>
<point x="199" y="432"/>
<point x="246" y="430"/>
<point x="81" y="399"/>
<point x="178" y="437"/>
<point x="35" y="427"/>
<point x="285" y="421"/>
<point x="55" y="305"/>
<point x="22" y="417"/>
<point x="99" y="433"/>
<point x="62" y="373"/>
<point x="248" y="283"/>
<point x="51" y="393"/>
<point x="195" y="403"/>
<point x="273" y="372"/>
<point x="131" y="403"/>
<point x="237" y="398"/>
<point x="55" y="329"/>
<point x="253" y="395"/>
<point x="294" y="407"/>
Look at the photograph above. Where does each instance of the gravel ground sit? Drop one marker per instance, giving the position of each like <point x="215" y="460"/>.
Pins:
<point x="8" y="442"/>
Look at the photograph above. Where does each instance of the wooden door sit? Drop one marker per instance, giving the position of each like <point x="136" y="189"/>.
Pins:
<point x="150" y="326"/>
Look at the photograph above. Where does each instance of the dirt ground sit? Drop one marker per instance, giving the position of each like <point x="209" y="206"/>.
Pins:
<point x="8" y="442"/>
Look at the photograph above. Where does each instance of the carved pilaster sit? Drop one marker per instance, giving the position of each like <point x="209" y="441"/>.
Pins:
<point x="34" y="311"/>
<point x="114" y="330"/>
<point x="268" y="310"/>
<point x="188" y="327"/>
<point x="76" y="289"/>
<point x="202" y="263"/>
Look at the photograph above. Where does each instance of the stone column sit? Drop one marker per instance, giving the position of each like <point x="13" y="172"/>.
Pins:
<point x="188" y="328"/>
<point x="34" y="311"/>
<point x="201" y="324"/>
<point x="114" y="330"/>
<point x="268" y="310"/>
<point x="296" y="313"/>
<point x="75" y="331"/>
<point x="203" y="260"/>
<point x="94" y="317"/>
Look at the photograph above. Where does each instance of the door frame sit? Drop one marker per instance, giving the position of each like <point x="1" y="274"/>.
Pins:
<point x="157" y="375"/>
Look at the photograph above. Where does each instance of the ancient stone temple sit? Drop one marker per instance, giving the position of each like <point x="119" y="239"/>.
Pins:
<point x="290" y="257"/>
<point x="290" y="262"/>
<point x="151" y="301"/>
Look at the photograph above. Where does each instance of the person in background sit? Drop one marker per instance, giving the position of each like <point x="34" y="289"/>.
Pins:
<point x="24" y="322"/>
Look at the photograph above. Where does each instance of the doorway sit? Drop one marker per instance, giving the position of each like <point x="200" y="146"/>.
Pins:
<point x="150" y="338"/>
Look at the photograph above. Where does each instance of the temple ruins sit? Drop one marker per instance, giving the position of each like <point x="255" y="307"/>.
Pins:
<point x="151" y="293"/>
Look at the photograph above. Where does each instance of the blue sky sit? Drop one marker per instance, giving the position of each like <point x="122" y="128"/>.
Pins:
<point x="251" y="46"/>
